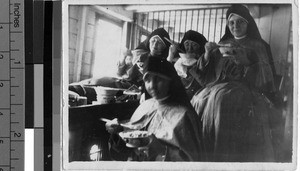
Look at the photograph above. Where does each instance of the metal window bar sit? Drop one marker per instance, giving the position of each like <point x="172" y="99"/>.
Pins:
<point x="215" y="28"/>
<point x="152" y="21"/>
<point x="157" y="21"/>
<point x="147" y="21"/>
<point x="174" y="25"/>
<point x="186" y="17"/>
<point x="183" y="20"/>
<point x="179" y="26"/>
<point x="221" y="23"/>
<point x="164" y="19"/>
<point x="203" y="21"/>
<point x="169" y="22"/>
<point x="142" y="20"/>
<point x="192" y="19"/>
<point x="136" y="30"/>
<point x="208" y="29"/>
<point x="198" y="19"/>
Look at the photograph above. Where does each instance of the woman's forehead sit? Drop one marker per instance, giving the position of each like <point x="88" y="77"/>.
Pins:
<point x="233" y="17"/>
<point x="190" y="41"/>
<point x="151" y="75"/>
<point x="156" y="37"/>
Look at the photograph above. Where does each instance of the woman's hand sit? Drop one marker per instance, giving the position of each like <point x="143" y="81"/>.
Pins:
<point x="209" y="46"/>
<point x="125" y="52"/>
<point x="156" y="148"/>
<point x="112" y="126"/>
<point x="172" y="51"/>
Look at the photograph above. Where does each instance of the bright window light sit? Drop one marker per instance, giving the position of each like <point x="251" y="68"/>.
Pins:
<point x="107" y="49"/>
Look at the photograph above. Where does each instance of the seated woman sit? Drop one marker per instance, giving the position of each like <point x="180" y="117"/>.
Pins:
<point x="154" y="46"/>
<point x="192" y="45"/>
<point x="125" y="63"/>
<point x="237" y="118"/>
<point x="168" y="116"/>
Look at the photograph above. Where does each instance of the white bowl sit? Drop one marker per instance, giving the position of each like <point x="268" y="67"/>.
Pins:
<point x="228" y="51"/>
<point x="136" y="138"/>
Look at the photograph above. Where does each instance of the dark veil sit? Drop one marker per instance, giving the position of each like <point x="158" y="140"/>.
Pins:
<point x="163" y="67"/>
<point x="241" y="10"/>
<point x="162" y="33"/>
<point x="252" y="31"/>
<point x="195" y="37"/>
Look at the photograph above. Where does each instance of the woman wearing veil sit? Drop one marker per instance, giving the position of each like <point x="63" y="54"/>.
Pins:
<point x="192" y="46"/>
<point x="154" y="46"/>
<point x="167" y="115"/>
<point x="236" y="115"/>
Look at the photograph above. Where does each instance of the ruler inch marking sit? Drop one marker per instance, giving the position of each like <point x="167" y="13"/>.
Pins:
<point x="10" y="82"/>
<point x="17" y="68"/>
<point x="13" y="84"/>
<point x="17" y="140"/>
<point x="16" y="31"/>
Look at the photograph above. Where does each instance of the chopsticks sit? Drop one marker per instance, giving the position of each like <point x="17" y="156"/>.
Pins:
<point x="123" y="125"/>
<point x="224" y="45"/>
<point x="105" y="120"/>
<point x="233" y="46"/>
<point x="180" y="50"/>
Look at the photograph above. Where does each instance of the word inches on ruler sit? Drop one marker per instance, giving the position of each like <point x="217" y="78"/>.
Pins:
<point x="17" y="15"/>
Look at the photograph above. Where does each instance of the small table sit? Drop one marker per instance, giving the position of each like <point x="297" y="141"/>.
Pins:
<point x="86" y="129"/>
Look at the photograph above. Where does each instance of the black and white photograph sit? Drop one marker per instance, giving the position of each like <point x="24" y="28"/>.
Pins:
<point x="173" y="85"/>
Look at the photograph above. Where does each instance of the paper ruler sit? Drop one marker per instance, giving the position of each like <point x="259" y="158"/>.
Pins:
<point x="12" y="74"/>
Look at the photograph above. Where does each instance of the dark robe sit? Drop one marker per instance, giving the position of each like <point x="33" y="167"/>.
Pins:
<point x="238" y="119"/>
<point x="173" y="121"/>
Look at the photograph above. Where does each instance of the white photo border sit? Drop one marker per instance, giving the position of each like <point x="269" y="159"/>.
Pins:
<point x="113" y="165"/>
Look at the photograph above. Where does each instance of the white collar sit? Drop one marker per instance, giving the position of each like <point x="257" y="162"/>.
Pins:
<point x="162" y="99"/>
<point x="240" y="37"/>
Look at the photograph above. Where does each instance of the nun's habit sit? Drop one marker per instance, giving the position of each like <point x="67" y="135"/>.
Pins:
<point x="135" y="73"/>
<point x="186" y="66"/>
<point x="236" y="117"/>
<point x="173" y="121"/>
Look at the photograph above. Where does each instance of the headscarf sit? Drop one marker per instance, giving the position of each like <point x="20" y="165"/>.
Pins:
<point x="268" y="71"/>
<point x="162" y="33"/>
<point x="241" y="10"/>
<point x="195" y="37"/>
<point x="163" y="67"/>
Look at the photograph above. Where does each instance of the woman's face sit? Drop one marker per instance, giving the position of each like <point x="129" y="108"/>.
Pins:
<point x="156" y="45"/>
<point x="128" y="60"/>
<point x="237" y="26"/>
<point x="191" y="47"/>
<point x="157" y="86"/>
